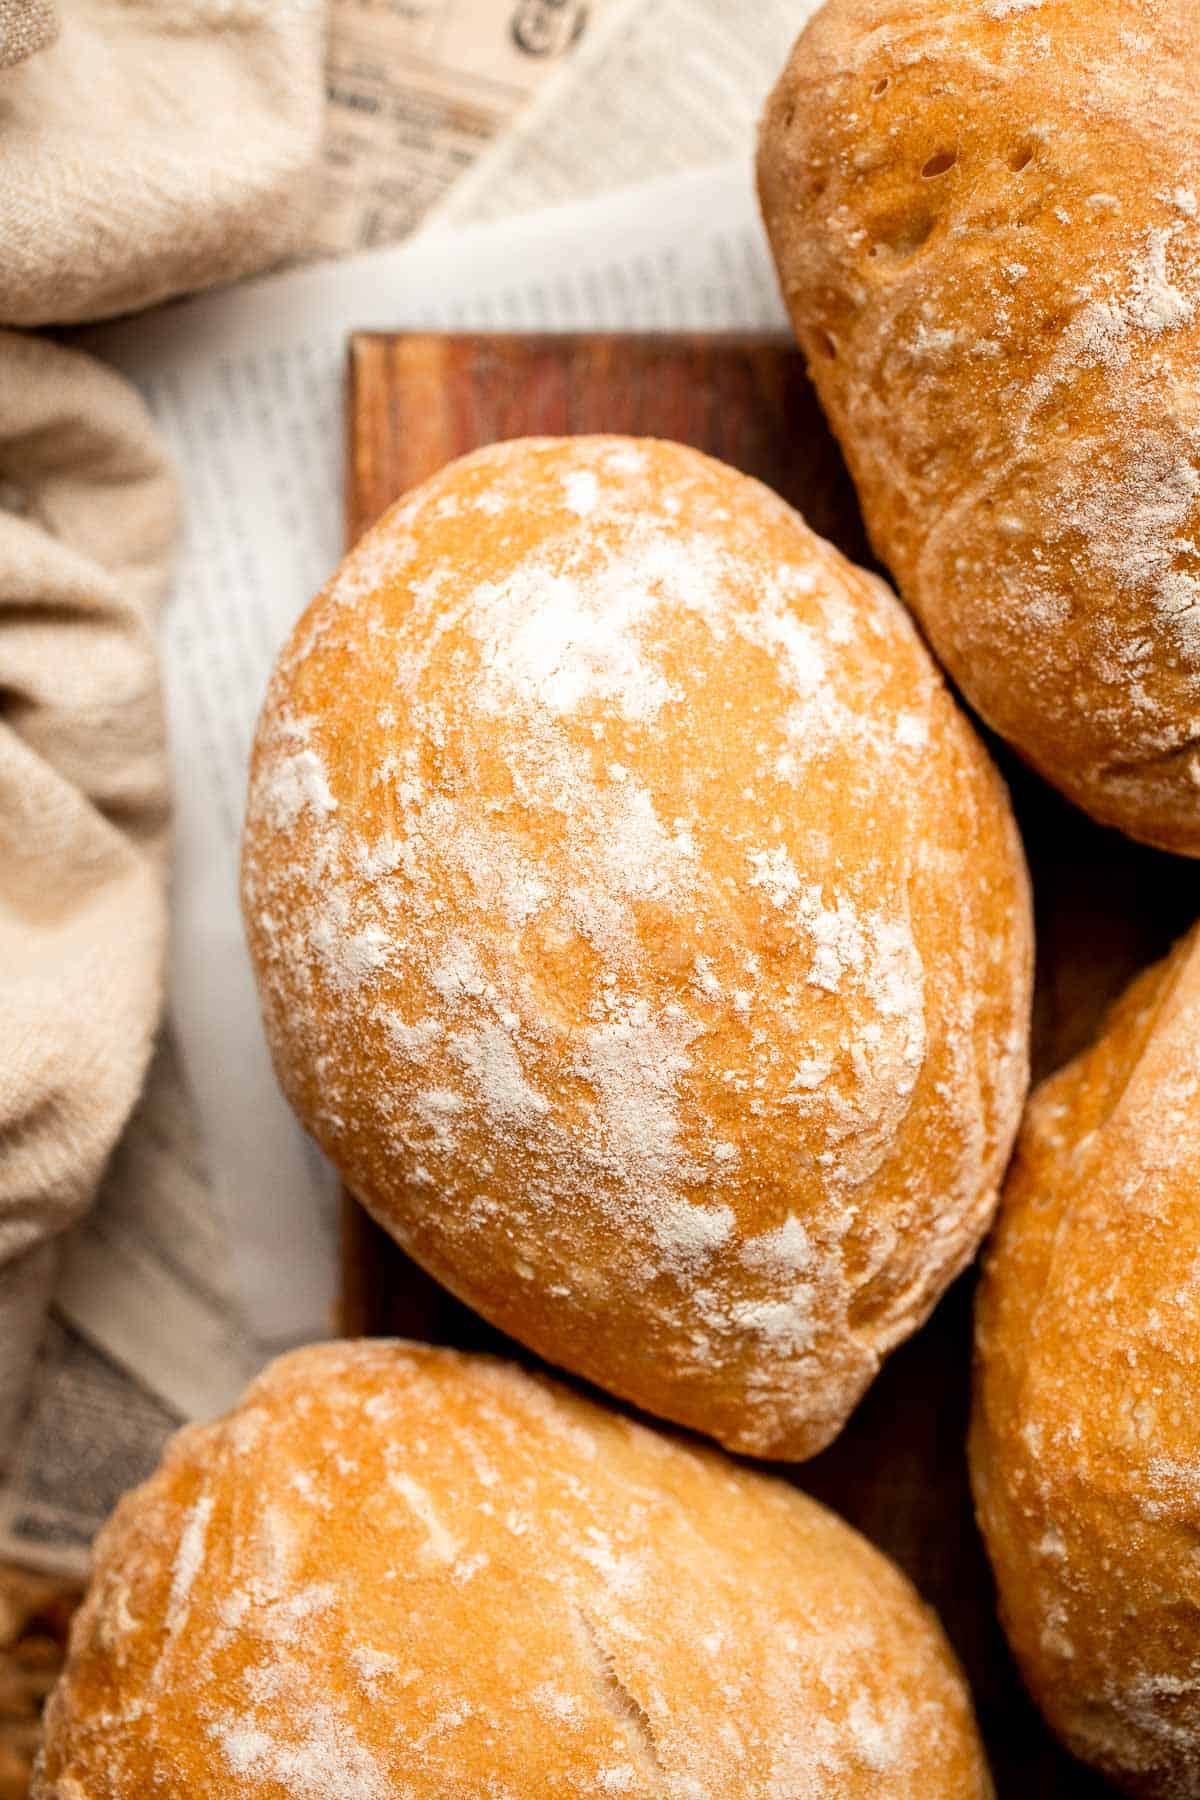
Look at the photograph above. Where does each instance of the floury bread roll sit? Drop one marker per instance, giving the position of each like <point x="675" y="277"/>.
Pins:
<point x="403" y="1574"/>
<point x="986" y="217"/>
<point x="1085" y="1441"/>
<point x="641" y="928"/>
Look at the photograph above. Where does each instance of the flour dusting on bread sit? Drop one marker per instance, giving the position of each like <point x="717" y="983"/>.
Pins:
<point x="985" y="220"/>
<point x="1085" y="1443"/>
<point x="410" y="1572"/>
<point x="595" y="924"/>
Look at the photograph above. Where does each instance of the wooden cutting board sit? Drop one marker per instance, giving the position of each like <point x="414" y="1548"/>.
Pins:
<point x="1104" y="907"/>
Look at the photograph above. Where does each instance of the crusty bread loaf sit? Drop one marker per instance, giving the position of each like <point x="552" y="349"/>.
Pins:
<point x="641" y="928"/>
<point x="1085" y="1441"/>
<point x="396" y="1573"/>
<point x="986" y="217"/>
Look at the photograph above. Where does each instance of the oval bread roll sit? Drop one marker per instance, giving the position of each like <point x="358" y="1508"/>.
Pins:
<point x="642" y="930"/>
<point x="396" y="1573"/>
<point x="1085" y="1440"/>
<point x="986" y="218"/>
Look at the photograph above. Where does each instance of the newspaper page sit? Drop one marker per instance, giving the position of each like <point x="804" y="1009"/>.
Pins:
<point x="147" y="1277"/>
<point x="657" y="87"/>
<point x="416" y="89"/>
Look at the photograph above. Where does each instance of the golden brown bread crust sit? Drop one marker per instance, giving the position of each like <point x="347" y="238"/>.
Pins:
<point x="401" y="1572"/>
<point x="1085" y="1438"/>
<point x="986" y="218"/>
<point x="642" y="930"/>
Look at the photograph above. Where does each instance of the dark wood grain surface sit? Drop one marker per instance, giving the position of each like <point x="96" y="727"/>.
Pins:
<point x="1104" y="909"/>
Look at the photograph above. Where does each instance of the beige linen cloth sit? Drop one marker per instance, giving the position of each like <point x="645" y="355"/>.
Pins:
<point x="84" y="541"/>
<point x="156" y="146"/>
<point x="146" y="147"/>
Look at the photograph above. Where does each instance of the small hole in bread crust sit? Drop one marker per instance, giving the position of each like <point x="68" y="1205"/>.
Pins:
<point x="903" y="236"/>
<point x="881" y="87"/>
<point x="789" y="115"/>
<point x="1020" y="157"/>
<point x="939" y="164"/>
<point x="826" y="344"/>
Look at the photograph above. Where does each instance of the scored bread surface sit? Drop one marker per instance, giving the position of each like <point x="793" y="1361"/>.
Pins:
<point x="641" y="928"/>
<point x="986" y="218"/>
<point x="396" y="1573"/>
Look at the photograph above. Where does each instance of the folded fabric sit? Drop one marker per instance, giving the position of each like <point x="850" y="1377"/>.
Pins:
<point x="87" y="520"/>
<point x="157" y="146"/>
<point x="25" y="26"/>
